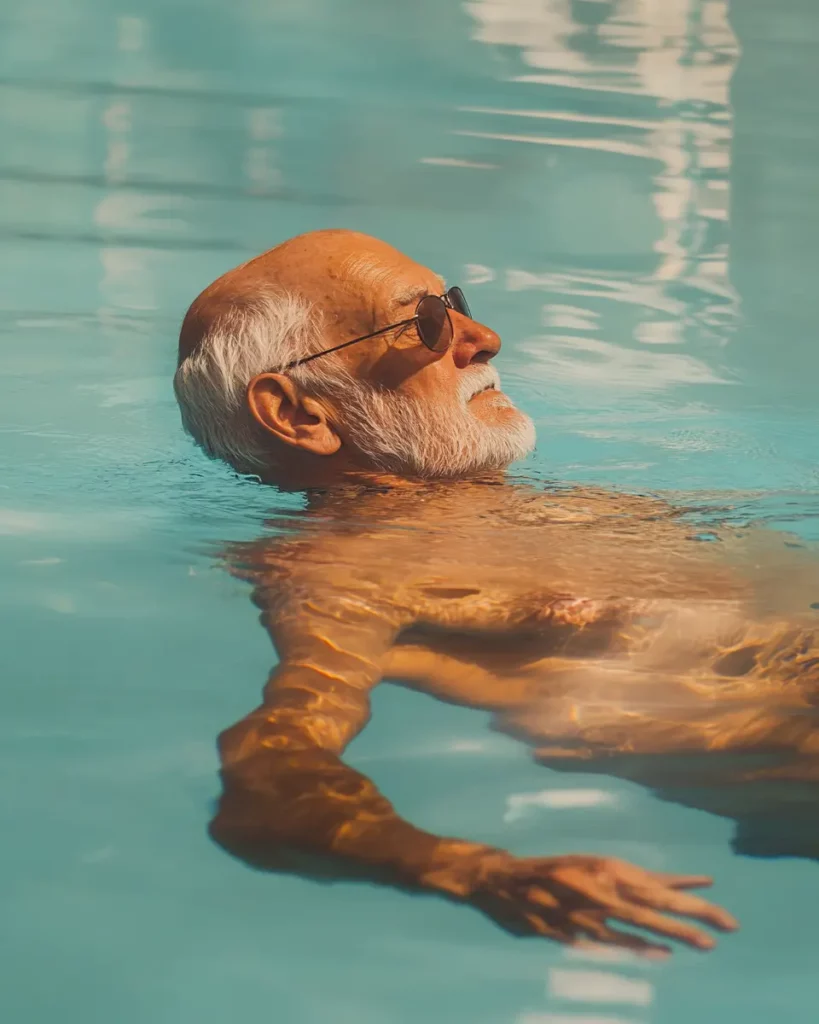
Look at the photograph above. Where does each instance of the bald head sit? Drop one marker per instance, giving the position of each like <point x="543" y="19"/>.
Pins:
<point x="243" y="400"/>
<point x="335" y="271"/>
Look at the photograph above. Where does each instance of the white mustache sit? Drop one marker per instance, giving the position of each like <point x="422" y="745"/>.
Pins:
<point x="477" y="378"/>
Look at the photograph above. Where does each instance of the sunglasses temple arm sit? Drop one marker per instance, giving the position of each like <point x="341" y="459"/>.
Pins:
<point x="346" y="344"/>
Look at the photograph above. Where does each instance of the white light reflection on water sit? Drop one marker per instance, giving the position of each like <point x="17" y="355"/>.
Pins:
<point x="599" y="987"/>
<point x="678" y="60"/>
<point x="521" y="805"/>
<point x="572" y="1018"/>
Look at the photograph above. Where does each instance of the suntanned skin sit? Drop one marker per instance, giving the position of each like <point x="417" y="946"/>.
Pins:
<point x="596" y="627"/>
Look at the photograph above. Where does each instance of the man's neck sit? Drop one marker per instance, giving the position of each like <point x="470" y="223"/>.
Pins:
<point x="316" y="480"/>
<point x="315" y="475"/>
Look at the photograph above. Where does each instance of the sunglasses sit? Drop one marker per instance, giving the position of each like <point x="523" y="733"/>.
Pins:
<point x="432" y="321"/>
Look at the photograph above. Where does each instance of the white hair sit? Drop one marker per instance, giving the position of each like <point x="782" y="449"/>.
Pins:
<point x="254" y="335"/>
<point x="394" y="432"/>
<point x="405" y="434"/>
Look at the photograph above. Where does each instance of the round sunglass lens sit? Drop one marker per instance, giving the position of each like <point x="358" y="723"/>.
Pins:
<point x="458" y="301"/>
<point x="434" y="325"/>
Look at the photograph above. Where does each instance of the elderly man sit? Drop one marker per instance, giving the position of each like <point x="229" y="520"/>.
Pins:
<point x="592" y="625"/>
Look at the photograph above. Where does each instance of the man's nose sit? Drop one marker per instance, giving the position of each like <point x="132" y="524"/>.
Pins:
<point x="472" y="342"/>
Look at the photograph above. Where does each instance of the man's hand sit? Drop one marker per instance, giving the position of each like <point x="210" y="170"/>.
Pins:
<point x="573" y="898"/>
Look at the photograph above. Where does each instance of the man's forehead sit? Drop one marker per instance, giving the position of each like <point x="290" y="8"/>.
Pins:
<point x="405" y="293"/>
<point x="396" y="280"/>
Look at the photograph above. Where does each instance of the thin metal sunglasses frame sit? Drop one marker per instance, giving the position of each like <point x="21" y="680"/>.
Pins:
<point x="460" y="305"/>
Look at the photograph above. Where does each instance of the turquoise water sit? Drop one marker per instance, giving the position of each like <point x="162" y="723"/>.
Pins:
<point x="629" y="190"/>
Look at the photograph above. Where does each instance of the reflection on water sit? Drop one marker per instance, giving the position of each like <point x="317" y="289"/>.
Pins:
<point x="584" y="164"/>
<point x="629" y="105"/>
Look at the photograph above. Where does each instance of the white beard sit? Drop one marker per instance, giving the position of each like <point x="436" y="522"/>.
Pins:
<point x="420" y="438"/>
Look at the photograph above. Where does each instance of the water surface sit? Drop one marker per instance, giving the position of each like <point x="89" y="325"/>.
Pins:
<point x="629" y="191"/>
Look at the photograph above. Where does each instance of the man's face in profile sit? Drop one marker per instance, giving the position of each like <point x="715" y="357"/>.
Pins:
<point x="311" y="363"/>
<point x="410" y="410"/>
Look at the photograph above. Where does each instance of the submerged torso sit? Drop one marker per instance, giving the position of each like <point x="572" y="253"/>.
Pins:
<point x="588" y="621"/>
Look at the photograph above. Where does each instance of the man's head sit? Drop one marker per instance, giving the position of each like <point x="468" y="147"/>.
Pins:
<point x="388" y="404"/>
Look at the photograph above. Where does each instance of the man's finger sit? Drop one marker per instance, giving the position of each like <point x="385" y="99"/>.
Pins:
<point x="684" y="903"/>
<point x="662" y="925"/>
<point x="539" y="927"/>
<point x="603" y="933"/>
<point x="542" y="897"/>
<point x="684" y="881"/>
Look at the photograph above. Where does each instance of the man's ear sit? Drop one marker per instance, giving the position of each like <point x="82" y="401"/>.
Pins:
<point x="279" y="407"/>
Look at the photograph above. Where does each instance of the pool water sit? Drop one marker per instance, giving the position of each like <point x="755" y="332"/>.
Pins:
<point x="628" y="190"/>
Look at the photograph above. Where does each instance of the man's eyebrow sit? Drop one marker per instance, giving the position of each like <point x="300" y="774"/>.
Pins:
<point x="414" y="292"/>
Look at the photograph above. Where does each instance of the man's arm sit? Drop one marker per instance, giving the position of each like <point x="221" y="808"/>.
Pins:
<point x="284" y="783"/>
<point x="285" y="788"/>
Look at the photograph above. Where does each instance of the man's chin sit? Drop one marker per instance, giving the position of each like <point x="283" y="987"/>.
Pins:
<point x="527" y="435"/>
<point x="509" y="433"/>
<point x="408" y="436"/>
<point x="501" y="412"/>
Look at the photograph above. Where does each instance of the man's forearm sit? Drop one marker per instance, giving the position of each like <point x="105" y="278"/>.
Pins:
<point x="311" y="802"/>
<point x="285" y="787"/>
<point x="287" y="791"/>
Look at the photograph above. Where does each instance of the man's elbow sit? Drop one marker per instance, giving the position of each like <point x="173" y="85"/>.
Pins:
<point x="244" y="834"/>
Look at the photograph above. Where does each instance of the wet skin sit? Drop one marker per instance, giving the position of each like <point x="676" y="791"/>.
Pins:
<point x="595" y="626"/>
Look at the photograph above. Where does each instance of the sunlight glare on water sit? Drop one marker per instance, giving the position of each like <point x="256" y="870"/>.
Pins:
<point x="627" y="191"/>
